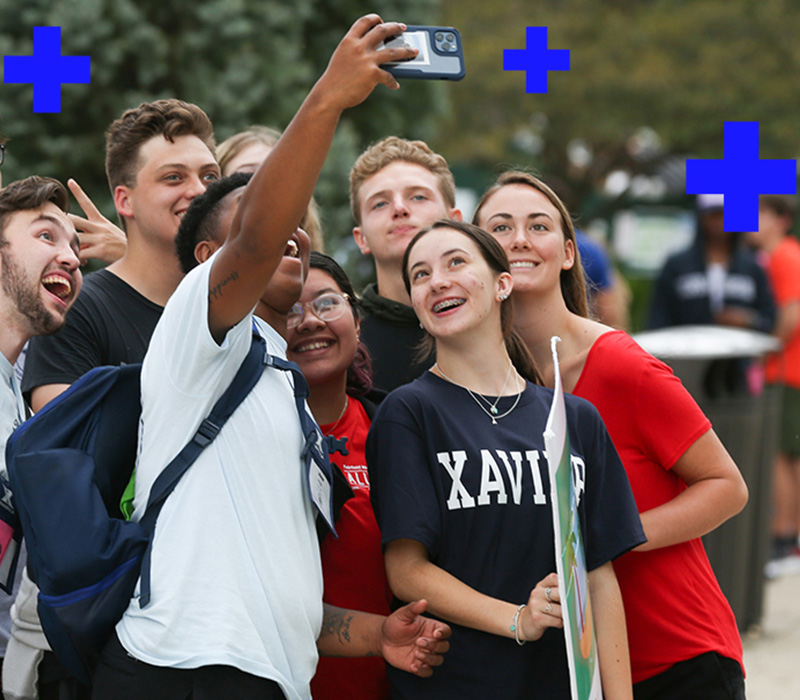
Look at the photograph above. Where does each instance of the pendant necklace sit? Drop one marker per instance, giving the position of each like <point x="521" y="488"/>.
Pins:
<point x="492" y="412"/>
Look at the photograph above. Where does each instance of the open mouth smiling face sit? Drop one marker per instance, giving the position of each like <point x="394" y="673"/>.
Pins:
<point x="312" y="345"/>
<point x="58" y="284"/>
<point x="448" y="304"/>
<point x="292" y="248"/>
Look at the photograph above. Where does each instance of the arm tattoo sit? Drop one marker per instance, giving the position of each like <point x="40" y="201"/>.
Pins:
<point x="337" y="622"/>
<point x="216" y="292"/>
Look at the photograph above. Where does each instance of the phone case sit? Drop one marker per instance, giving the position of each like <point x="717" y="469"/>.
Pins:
<point x="441" y="55"/>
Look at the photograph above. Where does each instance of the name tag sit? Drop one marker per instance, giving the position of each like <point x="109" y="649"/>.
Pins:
<point x="320" y="489"/>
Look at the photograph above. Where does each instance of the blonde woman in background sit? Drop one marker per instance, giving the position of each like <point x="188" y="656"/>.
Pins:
<point x="245" y="151"/>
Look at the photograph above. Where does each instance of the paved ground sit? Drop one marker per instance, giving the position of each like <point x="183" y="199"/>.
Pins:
<point x="772" y="656"/>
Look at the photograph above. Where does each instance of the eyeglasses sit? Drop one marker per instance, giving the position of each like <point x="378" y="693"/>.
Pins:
<point x="2" y="153"/>
<point x="327" y="307"/>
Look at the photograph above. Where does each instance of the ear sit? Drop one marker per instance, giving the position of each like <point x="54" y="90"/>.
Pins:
<point x="361" y="241"/>
<point x="569" y="255"/>
<point x="123" y="201"/>
<point x="205" y="249"/>
<point x="456" y="215"/>
<point x="505" y="285"/>
<point x="358" y="329"/>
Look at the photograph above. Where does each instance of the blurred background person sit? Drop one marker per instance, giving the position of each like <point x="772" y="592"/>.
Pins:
<point x="782" y="258"/>
<point x="717" y="280"/>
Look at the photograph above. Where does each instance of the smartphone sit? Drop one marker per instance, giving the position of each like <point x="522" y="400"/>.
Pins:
<point x="440" y="56"/>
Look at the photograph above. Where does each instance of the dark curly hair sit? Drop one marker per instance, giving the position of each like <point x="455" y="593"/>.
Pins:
<point x="199" y="223"/>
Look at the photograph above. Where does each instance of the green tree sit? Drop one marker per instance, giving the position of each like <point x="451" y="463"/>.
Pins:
<point x="243" y="61"/>
<point x="649" y="79"/>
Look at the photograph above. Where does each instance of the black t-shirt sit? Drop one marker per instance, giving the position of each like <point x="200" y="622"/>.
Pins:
<point x="392" y="334"/>
<point x="477" y="496"/>
<point x="109" y="324"/>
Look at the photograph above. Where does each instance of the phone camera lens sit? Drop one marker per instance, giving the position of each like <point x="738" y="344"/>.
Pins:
<point x="448" y="47"/>
<point x="439" y="36"/>
<point x="450" y="37"/>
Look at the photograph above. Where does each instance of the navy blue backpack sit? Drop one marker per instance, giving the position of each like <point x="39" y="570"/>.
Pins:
<point x="68" y="467"/>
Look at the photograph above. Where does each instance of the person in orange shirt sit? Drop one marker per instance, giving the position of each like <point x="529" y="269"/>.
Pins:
<point x="775" y="219"/>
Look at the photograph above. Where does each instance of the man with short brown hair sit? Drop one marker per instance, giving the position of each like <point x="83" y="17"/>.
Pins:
<point x="159" y="156"/>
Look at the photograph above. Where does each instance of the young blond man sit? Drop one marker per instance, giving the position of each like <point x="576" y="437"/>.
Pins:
<point x="397" y="188"/>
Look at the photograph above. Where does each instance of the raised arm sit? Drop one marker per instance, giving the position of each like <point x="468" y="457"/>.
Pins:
<point x="715" y="492"/>
<point x="277" y="197"/>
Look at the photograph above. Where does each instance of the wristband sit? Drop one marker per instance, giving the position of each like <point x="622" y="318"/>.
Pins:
<point x="515" y="625"/>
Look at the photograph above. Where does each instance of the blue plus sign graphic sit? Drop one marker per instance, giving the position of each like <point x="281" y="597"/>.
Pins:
<point x="536" y="59"/>
<point x="47" y="69"/>
<point x="741" y="176"/>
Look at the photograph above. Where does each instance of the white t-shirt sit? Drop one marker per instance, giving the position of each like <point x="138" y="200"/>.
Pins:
<point x="236" y="576"/>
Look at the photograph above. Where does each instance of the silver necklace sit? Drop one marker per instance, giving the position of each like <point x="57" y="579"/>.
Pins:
<point x="493" y="406"/>
<point x="492" y="411"/>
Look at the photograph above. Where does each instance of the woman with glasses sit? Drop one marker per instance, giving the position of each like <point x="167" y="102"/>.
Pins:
<point x="323" y="339"/>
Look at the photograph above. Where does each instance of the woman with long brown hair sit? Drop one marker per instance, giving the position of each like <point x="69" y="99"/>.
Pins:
<point x="682" y="635"/>
<point x="460" y="487"/>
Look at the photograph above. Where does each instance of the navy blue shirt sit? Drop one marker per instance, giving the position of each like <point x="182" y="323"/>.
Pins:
<point x="477" y="496"/>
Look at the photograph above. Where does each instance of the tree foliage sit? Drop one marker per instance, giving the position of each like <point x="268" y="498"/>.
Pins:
<point x="678" y="68"/>
<point x="649" y="79"/>
<point x="243" y="61"/>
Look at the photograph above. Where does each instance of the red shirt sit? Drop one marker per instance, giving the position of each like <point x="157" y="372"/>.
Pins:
<point x="353" y="568"/>
<point x="674" y="607"/>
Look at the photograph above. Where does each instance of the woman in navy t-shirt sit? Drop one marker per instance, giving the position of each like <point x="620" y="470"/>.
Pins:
<point x="460" y="487"/>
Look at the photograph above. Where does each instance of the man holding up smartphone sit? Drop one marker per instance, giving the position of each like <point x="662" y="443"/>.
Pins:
<point x="236" y="585"/>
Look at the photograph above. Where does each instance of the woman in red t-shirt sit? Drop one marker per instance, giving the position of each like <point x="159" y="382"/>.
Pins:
<point x="323" y="338"/>
<point x="683" y="638"/>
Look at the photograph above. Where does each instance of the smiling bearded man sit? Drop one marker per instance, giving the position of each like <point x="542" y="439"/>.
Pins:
<point x="40" y="278"/>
